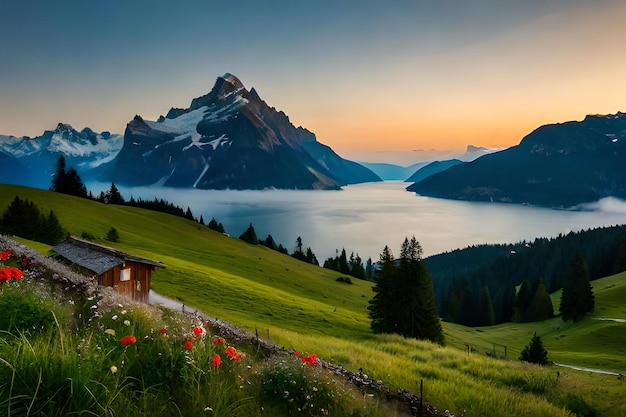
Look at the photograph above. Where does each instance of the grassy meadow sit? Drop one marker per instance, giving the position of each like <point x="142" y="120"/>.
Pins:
<point x="303" y="307"/>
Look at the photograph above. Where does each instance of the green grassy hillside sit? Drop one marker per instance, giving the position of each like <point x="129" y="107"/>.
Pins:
<point x="591" y="343"/>
<point x="304" y="307"/>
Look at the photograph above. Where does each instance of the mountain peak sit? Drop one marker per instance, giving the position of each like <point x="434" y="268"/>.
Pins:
<point x="63" y="127"/>
<point x="232" y="80"/>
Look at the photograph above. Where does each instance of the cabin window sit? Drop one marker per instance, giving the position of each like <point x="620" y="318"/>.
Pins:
<point x="125" y="274"/>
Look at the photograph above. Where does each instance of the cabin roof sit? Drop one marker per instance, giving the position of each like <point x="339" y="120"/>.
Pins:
<point x="97" y="258"/>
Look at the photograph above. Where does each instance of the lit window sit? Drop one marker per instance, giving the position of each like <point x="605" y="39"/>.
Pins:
<point x="125" y="274"/>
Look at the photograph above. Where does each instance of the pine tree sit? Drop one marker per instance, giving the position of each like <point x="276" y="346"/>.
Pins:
<point x="369" y="270"/>
<point x="310" y="257"/>
<point x="534" y="352"/>
<point x="382" y="306"/>
<point x="58" y="179"/>
<point x="250" y="236"/>
<point x="74" y="185"/>
<point x="356" y="266"/>
<point x="522" y="301"/>
<point x="485" y="308"/>
<point x="577" y="298"/>
<point x="270" y="243"/>
<point x="51" y="231"/>
<point x="113" y="235"/>
<point x="344" y="268"/>
<point x="404" y="302"/>
<point x="114" y="196"/>
<point x="540" y="307"/>
<point x="22" y="218"/>
<point x="67" y="181"/>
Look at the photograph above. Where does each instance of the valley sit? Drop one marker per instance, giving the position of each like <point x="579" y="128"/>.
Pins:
<point x="304" y="307"/>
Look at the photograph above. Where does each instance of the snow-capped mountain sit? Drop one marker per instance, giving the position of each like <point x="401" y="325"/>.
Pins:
<point x="37" y="156"/>
<point x="228" y="138"/>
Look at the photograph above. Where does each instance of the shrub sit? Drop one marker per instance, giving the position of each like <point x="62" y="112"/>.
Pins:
<point x="534" y="352"/>
<point x="112" y="235"/>
<point x="23" y="311"/>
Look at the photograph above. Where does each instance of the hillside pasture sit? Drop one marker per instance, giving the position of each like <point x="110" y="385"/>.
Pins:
<point x="303" y="307"/>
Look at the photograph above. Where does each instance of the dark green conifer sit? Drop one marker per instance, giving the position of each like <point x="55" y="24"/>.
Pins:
<point x="485" y="308"/>
<point x="577" y="298"/>
<point x="534" y="352"/>
<point x="51" y="231"/>
<point x="250" y="236"/>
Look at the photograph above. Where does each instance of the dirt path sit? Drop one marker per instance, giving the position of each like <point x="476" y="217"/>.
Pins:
<point x="594" y="370"/>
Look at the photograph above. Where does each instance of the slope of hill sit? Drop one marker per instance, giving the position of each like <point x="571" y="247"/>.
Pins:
<point x="596" y="342"/>
<point x="557" y="165"/>
<point x="301" y="306"/>
<point x="432" y="169"/>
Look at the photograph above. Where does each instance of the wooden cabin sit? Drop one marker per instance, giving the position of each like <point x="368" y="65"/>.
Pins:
<point x="127" y="274"/>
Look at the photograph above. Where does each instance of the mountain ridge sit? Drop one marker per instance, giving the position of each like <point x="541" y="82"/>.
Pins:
<point x="228" y="138"/>
<point x="557" y="165"/>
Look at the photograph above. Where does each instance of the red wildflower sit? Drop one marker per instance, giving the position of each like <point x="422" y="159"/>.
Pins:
<point x="9" y="272"/>
<point x="25" y="262"/>
<point x="231" y="352"/>
<point x="218" y="340"/>
<point x="16" y="273"/>
<point x="128" y="340"/>
<point x="310" y="359"/>
<point x="297" y="354"/>
<point x="5" y="255"/>
<point x="5" y="274"/>
<point x="216" y="361"/>
<point x="163" y="331"/>
<point x="198" y="331"/>
<point x="188" y="345"/>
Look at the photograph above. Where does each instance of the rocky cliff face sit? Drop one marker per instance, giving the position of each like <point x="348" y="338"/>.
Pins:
<point x="229" y="138"/>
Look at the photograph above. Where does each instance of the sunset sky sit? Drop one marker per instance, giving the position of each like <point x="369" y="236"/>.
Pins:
<point x="367" y="77"/>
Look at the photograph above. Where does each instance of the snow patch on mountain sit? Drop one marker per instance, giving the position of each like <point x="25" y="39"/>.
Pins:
<point x="83" y="148"/>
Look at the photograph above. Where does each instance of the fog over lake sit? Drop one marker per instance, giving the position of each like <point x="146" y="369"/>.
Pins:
<point x="364" y="218"/>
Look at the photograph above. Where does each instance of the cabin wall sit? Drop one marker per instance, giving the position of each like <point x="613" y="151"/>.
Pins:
<point x="137" y="287"/>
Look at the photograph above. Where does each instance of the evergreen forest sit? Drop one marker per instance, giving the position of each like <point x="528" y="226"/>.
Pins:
<point x="491" y="284"/>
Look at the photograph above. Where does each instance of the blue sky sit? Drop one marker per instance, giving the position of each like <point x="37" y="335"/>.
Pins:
<point x="365" y="76"/>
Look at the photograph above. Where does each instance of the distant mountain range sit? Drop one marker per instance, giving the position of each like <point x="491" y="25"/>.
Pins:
<point x="226" y="139"/>
<point x="397" y="172"/>
<point x="432" y="169"/>
<point x="557" y="165"/>
<point x="32" y="161"/>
